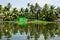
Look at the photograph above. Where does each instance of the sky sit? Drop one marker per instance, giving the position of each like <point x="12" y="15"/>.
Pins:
<point x="23" y="3"/>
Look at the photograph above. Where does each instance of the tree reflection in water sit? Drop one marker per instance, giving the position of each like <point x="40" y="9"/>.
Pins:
<point x="31" y="30"/>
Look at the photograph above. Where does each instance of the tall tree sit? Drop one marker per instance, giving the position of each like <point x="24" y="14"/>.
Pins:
<point x="8" y="6"/>
<point x="46" y="7"/>
<point x="1" y="9"/>
<point x="37" y="10"/>
<point x="26" y="10"/>
<point x="15" y="13"/>
<point x="21" y="10"/>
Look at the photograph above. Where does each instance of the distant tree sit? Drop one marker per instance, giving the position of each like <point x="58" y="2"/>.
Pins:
<point x="1" y="9"/>
<point x="15" y="13"/>
<point x="26" y="10"/>
<point x="46" y="13"/>
<point x="37" y="10"/>
<point x="22" y="10"/>
<point x="9" y="6"/>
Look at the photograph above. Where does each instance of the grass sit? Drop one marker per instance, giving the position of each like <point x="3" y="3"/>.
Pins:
<point x="34" y="22"/>
<point x="41" y="22"/>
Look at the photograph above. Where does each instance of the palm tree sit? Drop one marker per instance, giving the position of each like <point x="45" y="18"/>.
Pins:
<point x="7" y="11"/>
<point x="45" y="12"/>
<point x="37" y="10"/>
<point x="34" y="9"/>
<point x="28" y="4"/>
<point x="15" y="13"/>
<point x="1" y="9"/>
<point x="26" y="10"/>
<point x="8" y="6"/>
<point x="58" y="11"/>
<point x="22" y="10"/>
<point x="31" y="10"/>
<point x="52" y="13"/>
<point x="46" y="7"/>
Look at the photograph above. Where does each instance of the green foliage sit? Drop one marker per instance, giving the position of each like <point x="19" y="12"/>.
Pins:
<point x="22" y="20"/>
<point x="47" y="13"/>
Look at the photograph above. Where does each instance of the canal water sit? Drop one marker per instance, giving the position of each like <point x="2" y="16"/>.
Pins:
<point x="13" y="31"/>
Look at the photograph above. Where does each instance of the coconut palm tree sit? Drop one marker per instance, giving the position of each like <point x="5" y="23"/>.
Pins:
<point x="58" y="11"/>
<point x="26" y="10"/>
<point x="1" y="9"/>
<point x="8" y="6"/>
<point x="52" y="13"/>
<point x="45" y="12"/>
<point x="15" y="13"/>
<point x="37" y="10"/>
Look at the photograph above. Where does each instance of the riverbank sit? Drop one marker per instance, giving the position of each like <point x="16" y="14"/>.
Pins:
<point x="41" y="22"/>
<point x="33" y="21"/>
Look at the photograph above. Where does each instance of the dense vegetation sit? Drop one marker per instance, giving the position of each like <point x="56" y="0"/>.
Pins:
<point x="49" y="31"/>
<point x="46" y="13"/>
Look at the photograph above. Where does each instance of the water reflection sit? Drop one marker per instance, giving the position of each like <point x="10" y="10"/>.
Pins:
<point x="30" y="31"/>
